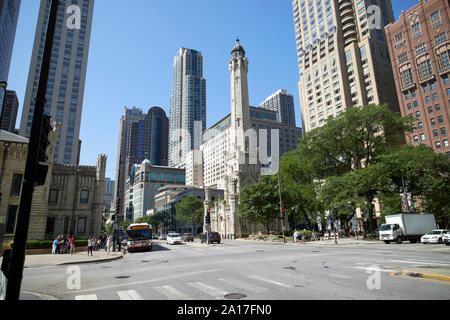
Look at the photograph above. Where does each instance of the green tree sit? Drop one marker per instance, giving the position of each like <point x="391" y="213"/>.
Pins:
<point x="125" y="223"/>
<point x="190" y="212"/>
<point x="259" y="203"/>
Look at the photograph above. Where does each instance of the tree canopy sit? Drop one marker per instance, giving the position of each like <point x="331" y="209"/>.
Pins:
<point x="189" y="211"/>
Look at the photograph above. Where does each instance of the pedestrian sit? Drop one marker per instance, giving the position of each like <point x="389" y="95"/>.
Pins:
<point x="72" y="244"/>
<point x="91" y="243"/>
<point x="295" y="235"/>
<point x="54" y="246"/>
<point x="109" y="244"/>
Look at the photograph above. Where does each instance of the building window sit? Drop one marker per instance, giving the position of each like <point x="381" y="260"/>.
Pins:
<point x="11" y="219"/>
<point x="53" y="196"/>
<point x="422" y="136"/>
<point x="416" y="139"/>
<point x="16" y="184"/>
<point x="438" y="145"/>
<point x="443" y="133"/>
<point x="435" y="133"/>
<point x="81" y="225"/>
<point x="50" y="228"/>
<point x="84" y="197"/>
<point x="445" y="143"/>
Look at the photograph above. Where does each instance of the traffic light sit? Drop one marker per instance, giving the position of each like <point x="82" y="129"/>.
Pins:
<point x="40" y="171"/>
<point x="44" y="142"/>
<point x="208" y="217"/>
<point x="335" y="213"/>
<point x="283" y="213"/>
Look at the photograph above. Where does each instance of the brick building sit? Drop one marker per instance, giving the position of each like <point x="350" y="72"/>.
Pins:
<point x="419" y="47"/>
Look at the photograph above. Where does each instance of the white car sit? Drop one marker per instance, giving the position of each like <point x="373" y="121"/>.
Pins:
<point x="446" y="239"/>
<point x="434" y="236"/>
<point x="174" y="238"/>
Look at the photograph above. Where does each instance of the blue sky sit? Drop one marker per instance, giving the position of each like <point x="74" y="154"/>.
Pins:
<point x="133" y="44"/>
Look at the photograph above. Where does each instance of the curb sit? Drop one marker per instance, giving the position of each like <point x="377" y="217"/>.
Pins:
<point x="426" y="275"/>
<point x="93" y="261"/>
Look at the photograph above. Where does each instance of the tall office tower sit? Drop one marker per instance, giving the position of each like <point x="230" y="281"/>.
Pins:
<point x="108" y="194"/>
<point x="141" y="137"/>
<point x="343" y="57"/>
<point x="67" y="75"/>
<point x="283" y="104"/>
<point x="419" y="45"/>
<point x="9" y="14"/>
<point x="187" y="104"/>
<point x="9" y="113"/>
<point x="128" y="117"/>
<point x="147" y="140"/>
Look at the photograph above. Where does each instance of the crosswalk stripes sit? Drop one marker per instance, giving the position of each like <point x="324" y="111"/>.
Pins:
<point x="87" y="297"/>
<point x="171" y="293"/>
<point x="211" y="290"/>
<point x="244" y="285"/>
<point x="270" y="281"/>
<point x="129" y="295"/>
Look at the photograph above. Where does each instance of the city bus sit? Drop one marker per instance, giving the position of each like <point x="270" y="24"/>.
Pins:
<point x="139" y="237"/>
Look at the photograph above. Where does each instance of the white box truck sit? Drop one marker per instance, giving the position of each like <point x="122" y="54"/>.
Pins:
<point x="400" y="227"/>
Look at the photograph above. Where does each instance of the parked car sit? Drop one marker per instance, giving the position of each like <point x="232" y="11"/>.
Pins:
<point x="188" y="237"/>
<point x="210" y="237"/>
<point x="174" y="238"/>
<point x="434" y="236"/>
<point x="446" y="239"/>
<point x="162" y="237"/>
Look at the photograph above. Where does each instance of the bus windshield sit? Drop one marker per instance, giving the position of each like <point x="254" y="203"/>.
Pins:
<point x="140" y="234"/>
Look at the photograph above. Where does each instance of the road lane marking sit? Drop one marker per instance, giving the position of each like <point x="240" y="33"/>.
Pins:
<point x="271" y="281"/>
<point x="172" y="293"/>
<point x="211" y="290"/>
<point x="87" y="297"/>
<point x="372" y="269"/>
<point x="421" y="263"/>
<point x="244" y="285"/>
<point x="143" y="282"/>
<point x="129" y="295"/>
<point x="340" y="276"/>
<point x="431" y="261"/>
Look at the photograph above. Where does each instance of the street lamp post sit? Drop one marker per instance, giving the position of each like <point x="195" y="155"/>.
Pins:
<point x="281" y="205"/>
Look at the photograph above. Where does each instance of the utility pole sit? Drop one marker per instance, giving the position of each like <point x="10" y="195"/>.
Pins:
<point x="281" y="205"/>
<point x="33" y="171"/>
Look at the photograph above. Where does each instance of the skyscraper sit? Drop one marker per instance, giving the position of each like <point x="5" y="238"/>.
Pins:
<point x="141" y="137"/>
<point x="9" y="14"/>
<point x="127" y="118"/>
<point x="67" y="75"/>
<point x="187" y="104"/>
<point x="343" y="57"/>
<point x="283" y="104"/>
<point x="419" y="43"/>
<point x="9" y="113"/>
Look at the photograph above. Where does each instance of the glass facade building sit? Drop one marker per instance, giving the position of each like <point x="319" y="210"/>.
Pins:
<point x="67" y="74"/>
<point x="187" y="104"/>
<point x="9" y="14"/>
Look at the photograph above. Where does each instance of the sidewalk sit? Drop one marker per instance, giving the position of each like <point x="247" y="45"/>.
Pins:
<point x="40" y="260"/>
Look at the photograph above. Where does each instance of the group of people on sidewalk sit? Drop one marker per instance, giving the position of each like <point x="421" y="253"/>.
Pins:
<point x="103" y="242"/>
<point x="63" y="244"/>
<point x="66" y="244"/>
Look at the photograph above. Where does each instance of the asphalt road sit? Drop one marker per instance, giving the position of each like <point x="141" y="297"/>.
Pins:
<point x="253" y="271"/>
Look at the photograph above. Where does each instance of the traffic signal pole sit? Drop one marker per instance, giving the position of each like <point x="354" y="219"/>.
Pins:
<point x="23" y="219"/>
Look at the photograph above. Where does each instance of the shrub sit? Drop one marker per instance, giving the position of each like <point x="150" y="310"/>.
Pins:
<point x="306" y="233"/>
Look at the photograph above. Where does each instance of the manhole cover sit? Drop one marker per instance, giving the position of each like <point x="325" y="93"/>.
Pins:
<point x="415" y="275"/>
<point x="106" y="267"/>
<point x="260" y="250"/>
<point x="145" y="261"/>
<point x="289" y="268"/>
<point x="315" y="251"/>
<point x="122" y="277"/>
<point x="235" y="296"/>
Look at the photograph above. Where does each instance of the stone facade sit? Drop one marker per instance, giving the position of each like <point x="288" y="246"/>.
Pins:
<point x="75" y="202"/>
<point x="13" y="156"/>
<point x="239" y="170"/>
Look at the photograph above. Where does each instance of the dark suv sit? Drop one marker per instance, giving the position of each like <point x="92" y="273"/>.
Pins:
<point x="210" y="237"/>
<point x="188" y="237"/>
